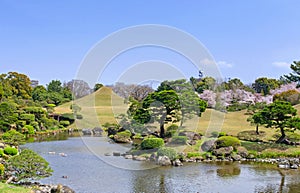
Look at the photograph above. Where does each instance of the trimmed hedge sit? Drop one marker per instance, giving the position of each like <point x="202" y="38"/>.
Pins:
<point x="227" y="141"/>
<point x="10" y="151"/>
<point x="151" y="143"/>
<point x="166" y="151"/>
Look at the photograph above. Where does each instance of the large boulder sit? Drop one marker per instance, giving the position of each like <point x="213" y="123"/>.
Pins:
<point x="223" y="151"/>
<point x="190" y="135"/>
<point x="87" y="132"/>
<point x="163" y="161"/>
<point x="122" y="137"/>
<point x="242" y="151"/>
<point x="177" y="163"/>
<point x="97" y="131"/>
<point x="208" y="145"/>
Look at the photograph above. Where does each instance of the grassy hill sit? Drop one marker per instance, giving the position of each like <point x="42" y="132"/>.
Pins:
<point x="98" y="108"/>
<point x="104" y="106"/>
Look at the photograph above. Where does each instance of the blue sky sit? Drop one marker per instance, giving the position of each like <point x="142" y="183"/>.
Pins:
<point x="49" y="39"/>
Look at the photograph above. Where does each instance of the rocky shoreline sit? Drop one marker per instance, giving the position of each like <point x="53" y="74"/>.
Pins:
<point x="46" y="188"/>
<point x="282" y="163"/>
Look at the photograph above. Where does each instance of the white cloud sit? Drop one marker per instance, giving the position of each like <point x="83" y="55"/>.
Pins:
<point x="224" y="64"/>
<point x="207" y="61"/>
<point x="281" y="64"/>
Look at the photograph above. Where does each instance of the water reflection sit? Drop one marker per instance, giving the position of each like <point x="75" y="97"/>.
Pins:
<point x="228" y="169"/>
<point x="92" y="174"/>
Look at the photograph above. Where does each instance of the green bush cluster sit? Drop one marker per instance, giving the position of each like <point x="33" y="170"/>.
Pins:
<point x="181" y="140"/>
<point x="10" y="151"/>
<point x="28" y="129"/>
<point x="171" y="130"/>
<point x="193" y="154"/>
<point x="237" y="107"/>
<point x="13" y="137"/>
<point x="227" y="141"/>
<point x="126" y="134"/>
<point x="64" y="123"/>
<point x="151" y="143"/>
<point x="166" y="151"/>
<point x="27" y="117"/>
<point x="1" y="153"/>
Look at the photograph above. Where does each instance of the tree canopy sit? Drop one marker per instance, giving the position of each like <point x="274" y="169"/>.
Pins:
<point x="295" y="75"/>
<point x="280" y="115"/>
<point x="28" y="165"/>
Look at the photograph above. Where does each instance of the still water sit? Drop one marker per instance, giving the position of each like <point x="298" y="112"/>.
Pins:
<point x="88" y="170"/>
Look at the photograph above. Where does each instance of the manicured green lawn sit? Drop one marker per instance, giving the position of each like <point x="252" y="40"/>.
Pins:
<point x="8" y="188"/>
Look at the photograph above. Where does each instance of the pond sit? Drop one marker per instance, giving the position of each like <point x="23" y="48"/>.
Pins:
<point x="88" y="170"/>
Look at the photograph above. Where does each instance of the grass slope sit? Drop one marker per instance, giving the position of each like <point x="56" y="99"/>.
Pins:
<point x="8" y="188"/>
<point x="104" y="106"/>
<point x="97" y="108"/>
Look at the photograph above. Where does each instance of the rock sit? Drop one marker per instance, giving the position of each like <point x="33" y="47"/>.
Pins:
<point x="116" y="154"/>
<point x="163" y="161"/>
<point x="192" y="142"/>
<point x="153" y="157"/>
<point x="111" y="131"/>
<point x="236" y="157"/>
<point x="283" y="166"/>
<point x="97" y="131"/>
<point x="177" y="162"/>
<point x="2" y="145"/>
<point x="128" y="156"/>
<point x="139" y="158"/>
<point x="87" y="132"/>
<point x="223" y="151"/>
<point x="294" y="166"/>
<point x="208" y="145"/>
<point x="242" y="151"/>
<point x="122" y="138"/>
<point x="190" y="135"/>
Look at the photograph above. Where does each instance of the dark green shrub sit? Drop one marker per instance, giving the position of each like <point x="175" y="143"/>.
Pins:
<point x="13" y="137"/>
<point x="64" y="123"/>
<point x="179" y="140"/>
<point x="1" y="152"/>
<point x="49" y="123"/>
<point x="28" y="129"/>
<point x="68" y="117"/>
<point x="34" y="124"/>
<point x="237" y="107"/>
<point x="151" y="143"/>
<point x="166" y="151"/>
<point x="171" y="130"/>
<point x="21" y="123"/>
<point x="227" y="141"/>
<point x="10" y="151"/>
<point x="27" y="117"/>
